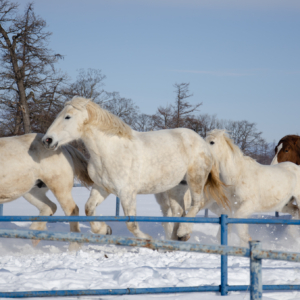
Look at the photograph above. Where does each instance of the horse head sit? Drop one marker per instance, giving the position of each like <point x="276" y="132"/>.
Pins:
<point x="221" y="144"/>
<point x="78" y="118"/>
<point x="68" y="124"/>
<point x="288" y="149"/>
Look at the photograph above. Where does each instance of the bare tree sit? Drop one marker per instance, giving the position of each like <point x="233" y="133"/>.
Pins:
<point x="264" y="152"/>
<point x="145" y="123"/>
<point x="179" y="114"/>
<point x="164" y="117"/>
<point x="182" y="108"/>
<point x="204" y="123"/>
<point x="123" y="108"/>
<point x="26" y="62"/>
<point x="244" y="134"/>
<point x="89" y="84"/>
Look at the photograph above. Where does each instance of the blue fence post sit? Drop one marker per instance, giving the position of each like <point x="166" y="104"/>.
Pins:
<point x="206" y="213"/>
<point x="255" y="272"/>
<point x="1" y="209"/>
<point x="224" y="258"/>
<point x="117" y="206"/>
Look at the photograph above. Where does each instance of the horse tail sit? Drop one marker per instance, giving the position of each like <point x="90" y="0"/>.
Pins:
<point x="215" y="187"/>
<point x="80" y="166"/>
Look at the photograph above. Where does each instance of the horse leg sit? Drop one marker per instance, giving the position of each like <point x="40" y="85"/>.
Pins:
<point x="64" y="196"/>
<point x="97" y="196"/>
<point x="216" y="209"/>
<point x="196" y="178"/>
<point x="245" y="210"/>
<point x="178" y="210"/>
<point x="128" y="202"/>
<point x="37" y="197"/>
<point x="293" y="210"/>
<point x="163" y="200"/>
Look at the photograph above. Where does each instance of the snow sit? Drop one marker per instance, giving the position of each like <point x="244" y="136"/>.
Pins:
<point x="50" y="266"/>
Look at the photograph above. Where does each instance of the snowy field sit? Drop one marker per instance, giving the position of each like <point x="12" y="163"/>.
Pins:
<point x="50" y="266"/>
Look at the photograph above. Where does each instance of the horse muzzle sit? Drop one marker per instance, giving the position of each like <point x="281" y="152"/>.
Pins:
<point x="48" y="143"/>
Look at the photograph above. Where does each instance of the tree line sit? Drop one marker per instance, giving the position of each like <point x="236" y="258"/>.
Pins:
<point x="33" y="91"/>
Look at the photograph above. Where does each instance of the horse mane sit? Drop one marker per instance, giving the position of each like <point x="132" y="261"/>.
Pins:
<point x="80" y="165"/>
<point x="101" y="118"/>
<point x="233" y="147"/>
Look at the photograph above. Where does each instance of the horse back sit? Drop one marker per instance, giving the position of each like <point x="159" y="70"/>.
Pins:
<point x="26" y="154"/>
<point x="279" y="180"/>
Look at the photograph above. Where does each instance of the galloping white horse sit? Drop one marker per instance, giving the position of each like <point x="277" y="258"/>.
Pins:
<point x="176" y="201"/>
<point x="253" y="187"/>
<point x="30" y="170"/>
<point x="126" y="162"/>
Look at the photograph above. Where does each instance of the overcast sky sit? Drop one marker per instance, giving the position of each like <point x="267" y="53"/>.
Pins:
<point x="241" y="58"/>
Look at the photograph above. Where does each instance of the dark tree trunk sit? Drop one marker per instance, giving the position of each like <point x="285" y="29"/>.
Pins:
<point x="19" y="80"/>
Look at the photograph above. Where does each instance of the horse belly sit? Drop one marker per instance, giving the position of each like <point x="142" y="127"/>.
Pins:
<point x="277" y="193"/>
<point x="14" y="185"/>
<point x="155" y="182"/>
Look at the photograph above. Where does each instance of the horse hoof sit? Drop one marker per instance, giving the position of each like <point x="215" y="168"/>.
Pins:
<point x="109" y="231"/>
<point x="184" y="238"/>
<point x="74" y="246"/>
<point x="35" y="242"/>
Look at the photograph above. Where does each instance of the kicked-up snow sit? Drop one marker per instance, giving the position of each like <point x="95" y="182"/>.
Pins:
<point x="50" y="266"/>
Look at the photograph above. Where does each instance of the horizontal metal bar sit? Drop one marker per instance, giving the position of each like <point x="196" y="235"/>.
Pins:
<point x="140" y="291"/>
<point x="133" y="242"/>
<point x="54" y="219"/>
<point x="283" y="287"/>
<point x="263" y="221"/>
<point x="110" y="292"/>
<point x="277" y="287"/>
<point x="277" y="255"/>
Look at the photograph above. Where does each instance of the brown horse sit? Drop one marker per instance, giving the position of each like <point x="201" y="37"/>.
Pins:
<point x="287" y="149"/>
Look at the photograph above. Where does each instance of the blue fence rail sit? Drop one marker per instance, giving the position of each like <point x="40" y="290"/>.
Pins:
<point x="254" y="253"/>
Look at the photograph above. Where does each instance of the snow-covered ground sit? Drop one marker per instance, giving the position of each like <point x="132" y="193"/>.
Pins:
<point x="50" y="266"/>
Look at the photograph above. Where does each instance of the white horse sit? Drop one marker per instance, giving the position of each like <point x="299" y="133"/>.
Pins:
<point x="253" y="187"/>
<point x="176" y="201"/>
<point x="30" y="170"/>
<point x="126" y="162"/>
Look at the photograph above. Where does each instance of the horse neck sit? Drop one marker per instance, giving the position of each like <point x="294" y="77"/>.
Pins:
<point x="101" y="144"/>
<point x="230" y="167"/>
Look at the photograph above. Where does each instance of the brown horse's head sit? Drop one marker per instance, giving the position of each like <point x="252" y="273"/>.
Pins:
<point x="288" y="149"/>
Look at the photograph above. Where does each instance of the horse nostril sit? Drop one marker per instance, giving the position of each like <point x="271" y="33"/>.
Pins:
<point x="49" y="141"/>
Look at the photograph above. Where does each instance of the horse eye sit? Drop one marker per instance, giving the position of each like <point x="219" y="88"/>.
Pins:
<point x="286" y="150"/>
<point x="212" y="142"/>
<point x="67" y="117"/>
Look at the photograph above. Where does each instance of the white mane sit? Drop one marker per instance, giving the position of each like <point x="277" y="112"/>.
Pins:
<point x="101" y="118"/>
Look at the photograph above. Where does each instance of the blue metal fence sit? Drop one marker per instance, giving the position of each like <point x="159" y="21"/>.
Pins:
<point x="224" y="251"/>
<point x="254" y="253"/>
